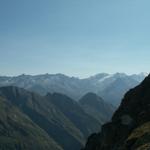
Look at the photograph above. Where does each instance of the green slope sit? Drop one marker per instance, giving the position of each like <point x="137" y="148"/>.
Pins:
<point x="96" y="107"/>
<point x="139" y="138"/>
<point x="18" y="132"/>
<point x="46" y="116"/>
<point x="74" y="112"/>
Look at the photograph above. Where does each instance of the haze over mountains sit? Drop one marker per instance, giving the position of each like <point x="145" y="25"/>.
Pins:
<point x="39" y="108"/>
<point x="44" y="45"/>
<point x="111" y="87"/>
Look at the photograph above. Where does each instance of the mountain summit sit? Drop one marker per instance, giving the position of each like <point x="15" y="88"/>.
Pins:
<point x="97" y="107"/>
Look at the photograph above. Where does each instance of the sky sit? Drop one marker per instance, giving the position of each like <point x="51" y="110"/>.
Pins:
<point x="74" y="37"/>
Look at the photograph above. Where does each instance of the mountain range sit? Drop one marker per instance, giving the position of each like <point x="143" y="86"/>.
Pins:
<point x="111" y="87"/>
<point x="29" y="121"/>
<point x="129" y="128"/>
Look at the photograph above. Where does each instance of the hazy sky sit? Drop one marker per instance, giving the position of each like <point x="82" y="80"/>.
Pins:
<point x="75" y="37"/>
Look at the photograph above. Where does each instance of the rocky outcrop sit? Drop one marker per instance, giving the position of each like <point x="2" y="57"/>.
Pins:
<point x="132" y="115"/>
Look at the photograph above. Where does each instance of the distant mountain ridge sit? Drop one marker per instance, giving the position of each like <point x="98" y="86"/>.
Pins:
<point x="111" y="87"/>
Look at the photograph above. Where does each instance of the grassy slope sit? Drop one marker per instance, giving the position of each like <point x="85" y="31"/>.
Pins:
<point x="139" y="139"/>
<point x="17" y="131"/>
<point x="46" y="116"/>
<point x="84" y="122"/>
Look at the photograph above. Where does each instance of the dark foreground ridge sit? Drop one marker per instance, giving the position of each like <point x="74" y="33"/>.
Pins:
<point x="130" y="125"/>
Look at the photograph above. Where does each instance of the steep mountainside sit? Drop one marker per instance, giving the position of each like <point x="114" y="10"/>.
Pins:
<point x="130" y="125"/>
<point x="110" y="87"/>
<point x="72" y="110"/>
<point x="46" y="116"/>
<point x="97" y="107"/>
<point x="19" y="132"/>
<point x="57" y="118"/>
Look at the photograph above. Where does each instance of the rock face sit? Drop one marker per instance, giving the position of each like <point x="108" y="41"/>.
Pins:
<point x="130" y="125"/>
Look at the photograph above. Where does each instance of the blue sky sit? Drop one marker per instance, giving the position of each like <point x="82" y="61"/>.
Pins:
<point x="75" y="37"/>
